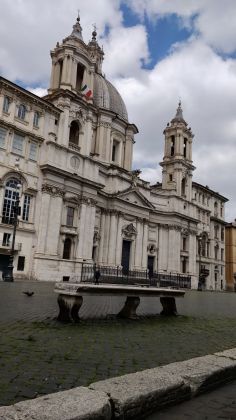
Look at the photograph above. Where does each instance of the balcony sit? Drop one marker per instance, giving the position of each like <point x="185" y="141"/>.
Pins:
<point x="74" y="146"/>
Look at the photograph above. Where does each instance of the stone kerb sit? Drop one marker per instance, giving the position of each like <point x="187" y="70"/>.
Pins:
<point x="76" y="404"/>
<point x="130" y="396"/>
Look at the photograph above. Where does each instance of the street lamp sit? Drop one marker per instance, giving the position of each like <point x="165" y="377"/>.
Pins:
<point x="16" y="211"/>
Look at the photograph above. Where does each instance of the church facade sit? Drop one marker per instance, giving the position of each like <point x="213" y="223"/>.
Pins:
<point x="68" y="158"/>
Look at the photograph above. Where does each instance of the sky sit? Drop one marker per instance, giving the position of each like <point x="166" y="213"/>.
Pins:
<point x="156" y="52"/>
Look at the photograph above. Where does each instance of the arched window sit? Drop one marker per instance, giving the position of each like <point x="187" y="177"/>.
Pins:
<point x="172" y="146"/>
<point x="10" y="198"/>
<point x="21" y="112"/>
<point x="185" y="147"/>
<point x="67" y="249"/>
<point x="74" y="133"/>
<point x="79" y="76"/>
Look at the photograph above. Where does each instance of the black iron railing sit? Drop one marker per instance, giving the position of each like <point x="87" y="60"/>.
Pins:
<point x="116" y="275"/>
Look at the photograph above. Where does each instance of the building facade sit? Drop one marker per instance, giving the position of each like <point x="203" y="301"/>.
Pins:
<point x="230" y="256"/>
<point x="68" y="157"/>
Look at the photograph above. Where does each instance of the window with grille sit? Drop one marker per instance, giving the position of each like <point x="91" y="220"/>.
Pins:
<point x="21" y="112"/>
<point x="36" y="119"/>
<point x="26" y="208"/>
<point x="18" y="144"/>
<point x="6" y="104"/>
<point x="21" y="263"/>
<point x="33" y="151"/>
<point x="70" y="216"/>
<point x="10" y="198"/>
<point x="3" y="134"/>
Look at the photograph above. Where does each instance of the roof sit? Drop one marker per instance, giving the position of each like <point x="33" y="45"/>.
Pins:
<point x="105" y="95"/>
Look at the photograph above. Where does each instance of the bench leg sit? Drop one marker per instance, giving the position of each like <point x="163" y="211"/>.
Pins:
<point x="130" y="306"/>
<point x="169" y="306"/>
<point x="69" y="307"/>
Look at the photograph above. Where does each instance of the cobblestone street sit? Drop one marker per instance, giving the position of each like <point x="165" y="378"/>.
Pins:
<point x="38" y="355"/>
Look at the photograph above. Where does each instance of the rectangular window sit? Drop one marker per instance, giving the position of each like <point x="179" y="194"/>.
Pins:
<point x="6" y="239"/>
<point x="36" y="119"/>
<point x="6" y="103"/>
<point x="114" y="151"/>
<point x="26" y="208"/>
<point x="21" y="263"/>
<point x="18" y="144"/>
<point x="70" y="216"/>
<point x="3" y="134"/>
<point x="184" y="244"/>
<point x="33" y="151"/>
<point x="222" y="254"/>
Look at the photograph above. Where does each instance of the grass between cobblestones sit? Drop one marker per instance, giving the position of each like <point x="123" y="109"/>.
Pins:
<point x="40" y="357"/>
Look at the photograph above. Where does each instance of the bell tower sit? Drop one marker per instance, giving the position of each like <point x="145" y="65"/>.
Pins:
<point x="74" y="63"/>
<point x="177" y="162"/>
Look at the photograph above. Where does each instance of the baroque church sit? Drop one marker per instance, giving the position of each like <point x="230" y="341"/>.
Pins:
<point x="67" y="158"/>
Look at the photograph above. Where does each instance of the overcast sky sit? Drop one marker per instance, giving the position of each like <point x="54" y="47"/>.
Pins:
<point x="156" y="51"/>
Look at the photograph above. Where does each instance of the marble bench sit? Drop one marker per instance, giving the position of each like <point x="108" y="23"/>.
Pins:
<point x="70" y="298"/>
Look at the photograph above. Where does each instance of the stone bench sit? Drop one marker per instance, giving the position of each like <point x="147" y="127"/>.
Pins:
<point x="70" y="298"/>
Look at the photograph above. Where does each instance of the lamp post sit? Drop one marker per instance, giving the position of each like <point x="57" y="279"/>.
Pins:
<point x="9" y="276"/>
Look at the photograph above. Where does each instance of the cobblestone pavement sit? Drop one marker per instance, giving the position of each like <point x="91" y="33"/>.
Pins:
<point x="219" y="404"/>
<point x="38" y="355"/>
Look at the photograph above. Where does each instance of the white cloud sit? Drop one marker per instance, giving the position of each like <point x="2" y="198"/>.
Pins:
<point x="123" y="56"/>
<point x="214" y="20"/>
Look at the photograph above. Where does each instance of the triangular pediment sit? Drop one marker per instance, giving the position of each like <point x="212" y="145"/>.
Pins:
<point x="135" y="197"/>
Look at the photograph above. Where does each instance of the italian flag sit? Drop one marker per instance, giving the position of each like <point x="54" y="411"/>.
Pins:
<point x="86" y="91"/>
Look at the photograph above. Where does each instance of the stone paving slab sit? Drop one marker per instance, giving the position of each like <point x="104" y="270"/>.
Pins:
<point x="75" y="404"/>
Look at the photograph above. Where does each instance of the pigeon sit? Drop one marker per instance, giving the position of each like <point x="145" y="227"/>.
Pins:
<point x="28" y="293"/>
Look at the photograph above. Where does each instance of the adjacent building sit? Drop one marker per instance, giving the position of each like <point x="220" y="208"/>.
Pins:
<point x="230" y="258"/>
<point x="68" y="158"/>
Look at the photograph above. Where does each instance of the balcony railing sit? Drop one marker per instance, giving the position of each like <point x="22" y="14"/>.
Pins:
<point x="7" y="245"/>
<point x="74" y="146"/>
<point x="117" y="275"/>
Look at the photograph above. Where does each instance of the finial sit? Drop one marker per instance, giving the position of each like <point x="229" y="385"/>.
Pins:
<point x="179" y="111"/>
<point x="94" y="33"/>
<point x="77" y="30"/>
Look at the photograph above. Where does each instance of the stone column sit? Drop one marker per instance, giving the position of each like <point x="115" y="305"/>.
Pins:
<point x="102" y="232"/>
<point x="43" y="222"/>
<point x="82" y="231"/>
<point x="89" y="232"/>
<point x="173" y="251"/>
<point x="163" y="248"/>
<point x="119" y="240"/>
<point x="99" y="139"/>
<point x="88" y="136"/>
<point x="128" y="153"/>
<point x="106" y="238"/>
<point x="192" y="249"/>
<point x="112" y="239"/>
<point x="138" y="246"/>
<point x="54" y="224"/>
<point x="144" y="250"/>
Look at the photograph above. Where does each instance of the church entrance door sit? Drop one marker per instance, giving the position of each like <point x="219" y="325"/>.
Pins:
<point x="150" y="265"/>
<point x="125" y="256"/>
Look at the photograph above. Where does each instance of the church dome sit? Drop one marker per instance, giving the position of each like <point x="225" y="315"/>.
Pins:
<point x="106" y="96"/>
